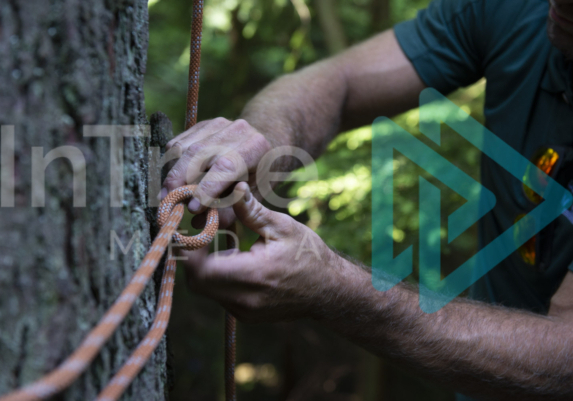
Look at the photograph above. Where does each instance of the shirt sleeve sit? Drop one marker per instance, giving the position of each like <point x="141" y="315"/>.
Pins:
<point x="444" y="43"/>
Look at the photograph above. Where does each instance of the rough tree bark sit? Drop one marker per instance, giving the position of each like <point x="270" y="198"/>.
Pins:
<point x="65" y="64"/>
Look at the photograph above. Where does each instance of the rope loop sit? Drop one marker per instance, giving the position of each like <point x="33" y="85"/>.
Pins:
<point x="181" y="195"/>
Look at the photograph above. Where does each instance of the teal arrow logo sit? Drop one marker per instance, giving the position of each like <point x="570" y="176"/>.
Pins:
<point x="387" y="270"/>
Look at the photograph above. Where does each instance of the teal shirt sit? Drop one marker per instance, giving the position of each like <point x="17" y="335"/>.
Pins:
<point x="454" y="43"/>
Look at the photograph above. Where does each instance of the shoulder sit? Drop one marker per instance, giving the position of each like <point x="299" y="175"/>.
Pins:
<point x="486" y="28"/>
<point x="494" y="15"/>
<point x="513" y="33"/>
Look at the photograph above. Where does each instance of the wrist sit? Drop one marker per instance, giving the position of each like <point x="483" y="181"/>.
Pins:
<point x="346" y="288"/>
<point x="276" y="131"/>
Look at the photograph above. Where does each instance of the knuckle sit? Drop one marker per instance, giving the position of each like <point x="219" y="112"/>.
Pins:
<point x="194" y="149"/>
<point x="207" y="188"/>
<point x="225" y="164"/>
<point x="211" y="187"/>
<point x="258" y="213"/>
<point x="174" y="142"/>
<point x="262" y="142"/>
<point x="241" y="125"/>
<point x="220" y="121"/>
<point x="172" y="178"/>
<point x="255" y="149"/>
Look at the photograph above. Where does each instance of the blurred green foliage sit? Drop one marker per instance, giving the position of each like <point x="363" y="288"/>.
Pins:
<point x="247" y="44"/>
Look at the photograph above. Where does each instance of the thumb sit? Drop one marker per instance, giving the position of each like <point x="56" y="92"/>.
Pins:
<point x="250" y="212"/>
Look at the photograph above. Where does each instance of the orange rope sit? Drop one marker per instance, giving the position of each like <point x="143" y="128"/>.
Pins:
<point x="170" y="214"/>
<point x="128" y="372"/>
<point x="191" y="120"/>
<point x="230" y="336"/>
<point x="194" y="64"/>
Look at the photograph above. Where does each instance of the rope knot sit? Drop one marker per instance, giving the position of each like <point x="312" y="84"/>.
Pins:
<point x="173" y="203"/>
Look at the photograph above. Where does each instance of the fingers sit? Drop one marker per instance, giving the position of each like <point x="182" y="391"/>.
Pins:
<point x="198" y="132"/>
<point x="193" y="153"/>
<point x="247" y="283"/>
<point x="231" y="166"/>
<point x="220" y="272"/>
<point x="225" y="172"/>
<point x="268" y="224"/>
<point x="242" y="266"/>
<point x="228" y="150"/>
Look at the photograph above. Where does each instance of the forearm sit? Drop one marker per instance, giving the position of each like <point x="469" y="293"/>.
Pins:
<point x="308" y="108"/>
<point x="302" y="109"/>
<point x="481" y="350"/>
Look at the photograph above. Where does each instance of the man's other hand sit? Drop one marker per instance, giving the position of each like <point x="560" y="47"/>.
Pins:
<point x="289" y="273"/>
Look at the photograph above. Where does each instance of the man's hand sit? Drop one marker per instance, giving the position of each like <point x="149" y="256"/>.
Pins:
<point x="289" y="273"/>
<point x="230" y="150"/>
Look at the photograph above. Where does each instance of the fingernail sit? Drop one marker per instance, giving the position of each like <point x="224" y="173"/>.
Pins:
<point x="248" y="195"/>
<point x="163" y="193"/>
<point x="194" y="205"/>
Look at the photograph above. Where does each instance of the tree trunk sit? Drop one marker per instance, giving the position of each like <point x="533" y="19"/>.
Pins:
<point x="66" y="64"/>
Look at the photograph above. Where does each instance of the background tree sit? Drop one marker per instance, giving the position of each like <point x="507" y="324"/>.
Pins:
<point x="65" y="65"/>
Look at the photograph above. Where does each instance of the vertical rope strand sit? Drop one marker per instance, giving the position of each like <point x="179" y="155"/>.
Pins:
<point x="230" y="336"/>
<point x="190" y="121"/>
<point x="194" y="64"/>
<point x="122" y="379"/>
<point x="171" y="205"/>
